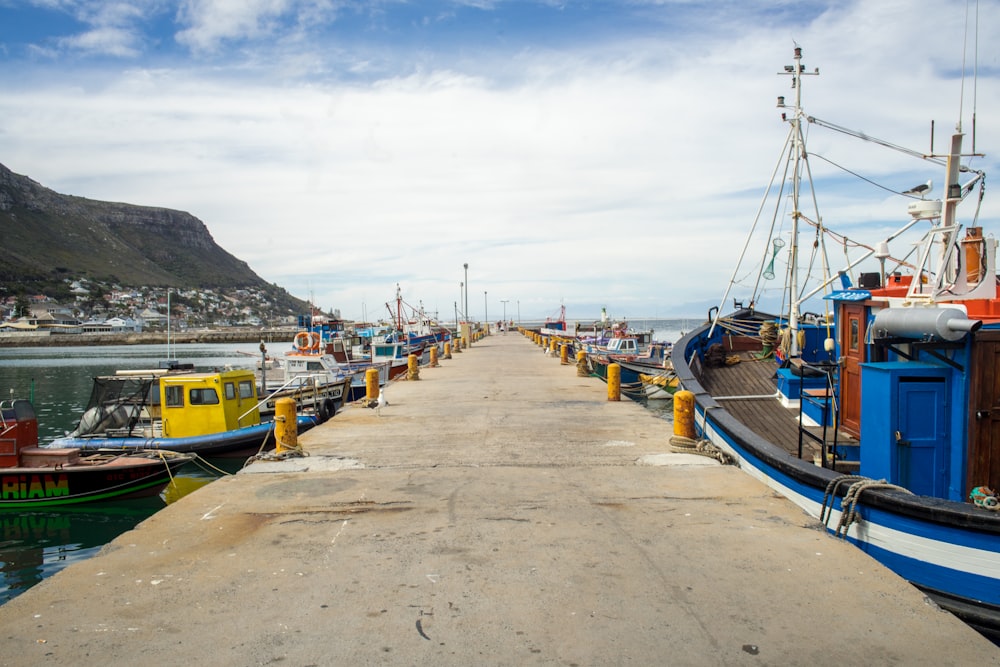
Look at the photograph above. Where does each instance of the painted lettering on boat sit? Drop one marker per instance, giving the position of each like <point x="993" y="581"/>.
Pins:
<point x="27" y="487"/>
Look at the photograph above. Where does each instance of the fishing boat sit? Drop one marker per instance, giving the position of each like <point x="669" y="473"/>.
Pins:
<point x="318" y="384"/>
<point x="34" y="477"/>
<point x="214" y="413"/>
<point x="893" y="445"/>
<point x="326" y="369"/>
<point x="414" y="329"/>
<point x="659" y="386"/>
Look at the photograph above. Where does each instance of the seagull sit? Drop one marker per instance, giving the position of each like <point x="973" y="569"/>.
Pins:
<point x="380" y="403"/>
<point x="921" y="189"/>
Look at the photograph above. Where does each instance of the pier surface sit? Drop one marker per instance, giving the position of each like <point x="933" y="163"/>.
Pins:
<point x="499" y="511"/>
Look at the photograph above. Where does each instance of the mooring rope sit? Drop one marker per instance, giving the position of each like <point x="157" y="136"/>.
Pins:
<point x="680" y="444"/>
<point x="849" y="505"/>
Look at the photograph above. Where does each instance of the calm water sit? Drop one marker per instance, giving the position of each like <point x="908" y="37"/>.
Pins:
<point x="36" y="545"/>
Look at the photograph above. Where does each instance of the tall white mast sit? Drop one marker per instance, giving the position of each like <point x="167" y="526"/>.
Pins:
<point x="797" y="71"/>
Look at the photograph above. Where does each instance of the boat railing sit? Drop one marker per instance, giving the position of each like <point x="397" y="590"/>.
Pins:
<point x="825" y="401"/>
<point x="297" y="380"/>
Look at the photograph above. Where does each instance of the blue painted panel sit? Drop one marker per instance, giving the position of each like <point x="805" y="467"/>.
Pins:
<point x="922" y="448"/>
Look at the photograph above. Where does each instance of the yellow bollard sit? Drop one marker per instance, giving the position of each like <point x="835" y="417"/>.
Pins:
<point x="413" y="367"/>
<point x="434" y="356"/>
<point x="286" y="426"/>
<point x="447" y="350"/>
<point x="552" y="346"/>
<point x="614" y="382"/>
<point x="564" y="354"/>
<point x="684" y="414"/>
<point x="371" y="384"/>
<point x="581" y="364"/>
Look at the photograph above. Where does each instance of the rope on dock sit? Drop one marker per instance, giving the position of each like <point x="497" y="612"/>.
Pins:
<point x="680" y="444"/>
<point x="272" y="455"/>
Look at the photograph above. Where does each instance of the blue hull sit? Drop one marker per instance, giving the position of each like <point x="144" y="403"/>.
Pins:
<point x="238" y="442"/>
<point x="951" y="550"/>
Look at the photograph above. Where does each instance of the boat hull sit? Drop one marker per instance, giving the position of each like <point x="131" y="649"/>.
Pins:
<point x="122" y="477"/>
<point x="238" y="442"/>
<point x="950" y="550"/>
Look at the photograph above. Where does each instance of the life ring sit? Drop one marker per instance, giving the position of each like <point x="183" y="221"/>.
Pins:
<point x="307" y="341"/>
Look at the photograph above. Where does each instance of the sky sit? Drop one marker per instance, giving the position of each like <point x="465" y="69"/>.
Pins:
<point x="590" y="154"/>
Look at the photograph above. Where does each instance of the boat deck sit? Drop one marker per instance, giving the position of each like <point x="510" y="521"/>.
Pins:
<point x="761" y="410"/>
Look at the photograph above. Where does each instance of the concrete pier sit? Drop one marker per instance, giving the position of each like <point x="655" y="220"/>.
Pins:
<point x="499" y="511"/>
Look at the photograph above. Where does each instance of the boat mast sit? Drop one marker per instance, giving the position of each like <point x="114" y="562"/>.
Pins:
<point x="797" y="71"/>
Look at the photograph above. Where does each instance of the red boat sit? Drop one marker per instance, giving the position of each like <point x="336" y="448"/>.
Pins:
<point x="33" y="477"/>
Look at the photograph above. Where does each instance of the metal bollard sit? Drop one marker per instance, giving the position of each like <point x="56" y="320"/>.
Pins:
<point x="286" y="425"/>
<point x="371" y="384"/>
<point x="684" y="414"/>
<point x="614" y="382"/>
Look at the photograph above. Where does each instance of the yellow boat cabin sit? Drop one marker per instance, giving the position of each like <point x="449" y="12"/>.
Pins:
<point x="201" y="403"/>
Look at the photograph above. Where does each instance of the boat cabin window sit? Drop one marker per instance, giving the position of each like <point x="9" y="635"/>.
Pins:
<point x="246" y="389"/>
<point x="314" y="366"/>
<point x="174" y="396"/>
<point x="204" y="396"/>
<point x="230" y="391"/>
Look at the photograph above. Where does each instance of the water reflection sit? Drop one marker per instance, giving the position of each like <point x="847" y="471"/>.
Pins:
<point x="36" y="545"/>
<point x="58" y="380"/>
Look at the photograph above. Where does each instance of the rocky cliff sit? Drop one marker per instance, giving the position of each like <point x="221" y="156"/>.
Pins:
<point x="48" y="236"/>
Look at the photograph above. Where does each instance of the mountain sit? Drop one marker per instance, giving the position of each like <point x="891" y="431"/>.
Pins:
<point x="48" y="237"/>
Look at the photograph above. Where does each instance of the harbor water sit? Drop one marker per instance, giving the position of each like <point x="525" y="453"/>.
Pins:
<point x="37" y="544"/>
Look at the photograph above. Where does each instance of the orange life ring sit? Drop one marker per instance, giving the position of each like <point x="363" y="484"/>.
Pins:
<point x="315" y="339"/>
<point x="301" y="341"/>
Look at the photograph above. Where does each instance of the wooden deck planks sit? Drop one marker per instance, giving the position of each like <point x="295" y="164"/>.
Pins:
<point x="765" y="416"/>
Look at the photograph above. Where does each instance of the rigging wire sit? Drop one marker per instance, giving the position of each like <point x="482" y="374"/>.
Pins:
<point x="881" y="142"/>
<point x="855" y="174"/>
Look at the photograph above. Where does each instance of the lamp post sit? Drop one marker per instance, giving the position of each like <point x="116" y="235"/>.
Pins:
<point x="518" y="312"/>
<point x="503" y="327"/>
<point x="486" y="313"/>
<point x="466" y="265"/>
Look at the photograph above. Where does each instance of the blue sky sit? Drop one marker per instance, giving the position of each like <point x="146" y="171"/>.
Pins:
<point x="581" y="153"/>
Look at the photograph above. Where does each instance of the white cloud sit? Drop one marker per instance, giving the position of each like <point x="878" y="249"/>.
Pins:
<point x="558" y="177"/>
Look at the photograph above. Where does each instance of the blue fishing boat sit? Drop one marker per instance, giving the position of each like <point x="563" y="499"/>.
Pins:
<point x="881" y="417"/>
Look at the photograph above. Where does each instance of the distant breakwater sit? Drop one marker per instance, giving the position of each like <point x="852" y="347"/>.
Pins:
<point x="234" y="335"/>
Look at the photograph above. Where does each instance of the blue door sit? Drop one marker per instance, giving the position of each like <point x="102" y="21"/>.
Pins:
<point x="922" y="439"/>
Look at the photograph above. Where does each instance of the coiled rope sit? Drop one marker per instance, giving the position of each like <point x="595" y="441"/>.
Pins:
<point x="680" y="444"/>
<point x="985" y="497"/>
<point x="273" y="455"/>
<point x="849" y="505"/>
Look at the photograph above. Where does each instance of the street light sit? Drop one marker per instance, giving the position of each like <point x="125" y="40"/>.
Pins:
<point x="466" y="265"/>
<point x="486" y="313"/>
<point x="503" y="327"/>
<point x="518" y="312"/>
